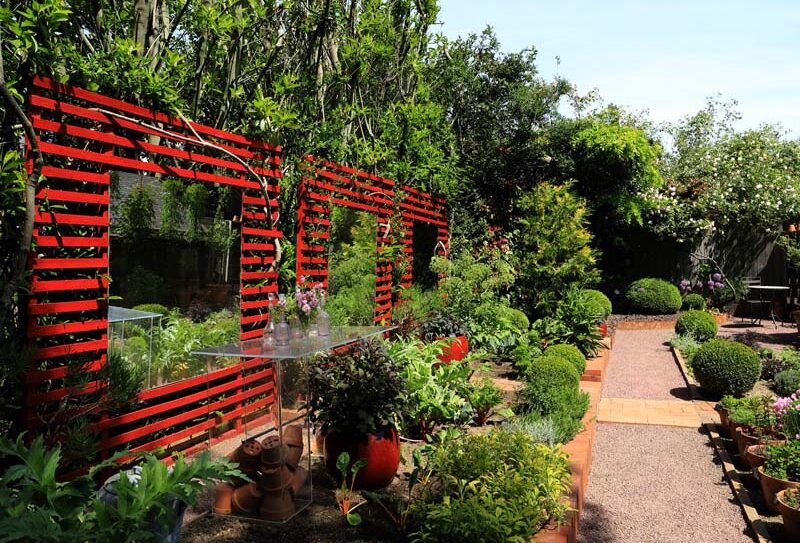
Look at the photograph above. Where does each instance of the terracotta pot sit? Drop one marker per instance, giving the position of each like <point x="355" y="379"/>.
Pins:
<point x="754" y="456"/>
<point x="277" y="506"/>
<point x="791" y="518"/>
<point x="293" y="436"/>
<point x="246" y="499"/>
<point x="770" y="486"/>
<point x="222" y="499"/>
<point x="299" y="479"/>
<point x="456" y="350"/>
<point x="247" y="455"/>
<point x="293" y="456"/>
<point x="272" y="454"/>
<point x="746" y="439"/>
<point x="275" y="479"/>
<point x="381" y="450"/>
<point x="723" y="421"/>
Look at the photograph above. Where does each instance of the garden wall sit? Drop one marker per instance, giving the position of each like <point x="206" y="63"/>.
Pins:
<point x="84" y="136"/>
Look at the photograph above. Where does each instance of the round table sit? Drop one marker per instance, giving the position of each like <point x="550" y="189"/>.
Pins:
<point x="773" y="291"/>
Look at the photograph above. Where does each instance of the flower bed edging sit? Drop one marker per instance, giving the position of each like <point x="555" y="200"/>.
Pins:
<point x="580" y="453"/>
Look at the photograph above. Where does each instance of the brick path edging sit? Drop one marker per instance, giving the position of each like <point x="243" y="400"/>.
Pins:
<point x="579" y="451"/>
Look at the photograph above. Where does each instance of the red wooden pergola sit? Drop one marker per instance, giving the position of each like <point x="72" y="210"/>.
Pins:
<point x="84" y="136"/>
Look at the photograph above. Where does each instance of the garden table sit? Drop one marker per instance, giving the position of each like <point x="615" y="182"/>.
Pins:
<point x="275" y="378"/>
<point x="772" y="291"/>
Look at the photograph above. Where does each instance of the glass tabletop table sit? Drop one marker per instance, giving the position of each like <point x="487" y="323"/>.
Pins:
<point x="297" y="348"/>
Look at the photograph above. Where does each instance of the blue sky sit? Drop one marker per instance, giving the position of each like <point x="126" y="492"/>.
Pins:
<point x="665" y="57"/>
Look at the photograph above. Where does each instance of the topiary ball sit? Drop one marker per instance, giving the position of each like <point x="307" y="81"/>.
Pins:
<point x="724" y="367"/>
<point x="698" y="324"/>
<point x="651" y="296"/>
<point x="787" y="382"/>
<point x="598" y="302"/>
<point x="694" y="301"/>
<point x="570" y="353"/>
<point x="546" y="378"/>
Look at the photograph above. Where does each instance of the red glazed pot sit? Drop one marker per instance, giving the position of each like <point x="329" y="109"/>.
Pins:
<point x="456" y="350"/>
<point x="381" y="450"/>
<point x="603" y="329"/>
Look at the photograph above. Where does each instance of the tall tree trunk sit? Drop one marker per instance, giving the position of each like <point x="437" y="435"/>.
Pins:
<point x="16" y="280"/>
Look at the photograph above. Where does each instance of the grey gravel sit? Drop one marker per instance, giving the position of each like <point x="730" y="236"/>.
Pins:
<point x="642" y="366"/>
<point x="658" y="484"/>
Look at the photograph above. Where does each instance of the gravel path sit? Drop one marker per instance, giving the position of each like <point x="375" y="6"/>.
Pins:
<point x="641" y="366"/>
<point x="658" y="484"/>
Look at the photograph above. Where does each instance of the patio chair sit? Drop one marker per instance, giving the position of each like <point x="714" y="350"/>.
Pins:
<point x="754" y="301"/>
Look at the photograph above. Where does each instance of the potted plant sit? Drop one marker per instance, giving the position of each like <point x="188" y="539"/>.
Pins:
<point x="356" y="396"/>
<point x="789" y="507"/>
<point x="780" y="471"/>
<point x="443" y="325"/>
<point x="599" y="306"/>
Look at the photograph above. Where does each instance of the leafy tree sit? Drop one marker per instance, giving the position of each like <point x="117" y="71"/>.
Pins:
<point x="553" y="247"/>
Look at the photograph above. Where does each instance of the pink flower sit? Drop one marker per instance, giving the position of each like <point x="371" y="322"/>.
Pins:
<point x="306" y="309"/>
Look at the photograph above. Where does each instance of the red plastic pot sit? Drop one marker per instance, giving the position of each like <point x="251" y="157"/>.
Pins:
<point x="456" y="350"/>
<point x="381" y="451"/>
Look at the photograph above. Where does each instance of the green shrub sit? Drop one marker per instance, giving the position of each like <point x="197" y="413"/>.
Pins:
<point x="752" y="411"/>
<point x="567" y="419"/>
<point x="571" y="322"/>
<point x="687" y="345"/>
<point x="496" y="487"/>
<point x="599" y="303"/>
<point x="694" y="301"/>
<point x="528" y="348"/>
<point x="787" y="382"/>
<point x="783" y="461"/>
<point x="651" y="296"/>
<point x="569" y="353"/>
<point x="698" y="324"/>
<point x="544" y="379"/>
<point x="726" y="367"/>
<point x="152" y="308"/>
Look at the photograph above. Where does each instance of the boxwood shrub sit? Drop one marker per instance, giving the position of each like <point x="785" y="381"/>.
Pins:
<point x="651" y="296"/>
<point x="599" y="302"/>
<point x="694" y="301"/>
<point x="725" y="367"/>
<point x="545" y="379"/>
<point x="570" y="353"/>
<point x="698" y="324"/>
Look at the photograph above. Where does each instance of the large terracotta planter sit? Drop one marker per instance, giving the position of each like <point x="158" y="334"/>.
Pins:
<point x="755" y="456"/>
<point x="770" y="486"/>
<point x="381" y="450"/>
<point x="723" y="421"/>
<point x="791" y="519"/>
<point x="456" y="350"/>
<point x="746" y="438"/>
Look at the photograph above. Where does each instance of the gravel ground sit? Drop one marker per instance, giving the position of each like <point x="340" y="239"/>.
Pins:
<point x="658" y="484"/>
<point x="766" y="335"/>
<point x="641" y="366"/>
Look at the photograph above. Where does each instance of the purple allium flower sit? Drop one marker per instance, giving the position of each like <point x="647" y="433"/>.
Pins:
<point x="719" y="285"/>
<point x="698" y="285"/>
<point x="717" y="277"/>
<point x="306" y="309"/>
<point x="710" y="284"/>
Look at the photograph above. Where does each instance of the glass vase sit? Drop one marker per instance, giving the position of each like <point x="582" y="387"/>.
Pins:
<point x="323" y="321"/>
<point x="268" y="337"/>
<point x="297" y="328"/>
<point x="282" y="332"/>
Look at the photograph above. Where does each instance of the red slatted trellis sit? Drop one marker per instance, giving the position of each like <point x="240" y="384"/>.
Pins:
<point x="326" y="183"/>
<point x="84" y="136"/>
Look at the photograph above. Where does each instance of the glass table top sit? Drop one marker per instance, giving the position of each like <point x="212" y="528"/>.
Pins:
<point x="123" y="314"/>
<point x="297" y="348"/>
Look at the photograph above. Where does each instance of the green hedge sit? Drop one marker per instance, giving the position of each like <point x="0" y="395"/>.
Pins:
<point x="570" y="353"/>
<point x="725" y="367"/>
<point x="698" y="324"/>
<point x="651" y="296"/>
<point x="694" y="301"/>
<point x="599" y="302"/>
<point x="545" y="380"/>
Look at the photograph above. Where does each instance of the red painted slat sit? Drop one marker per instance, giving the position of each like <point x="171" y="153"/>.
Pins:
<point x="44" y="353"/>
<point x="72" y="196"/>
<point x="38" y="376"/>
<point x="68" y="263"/>
<point x="66" y="307"/>
<point x="257" y="260"/>
<point x="112" y="103"/>
<point x="68" y="284"/>
<point x="76" y="175"/>
<point x="248" y="275"/>
<point x="71" y="241"/>
<point x="264" y="289"/>
<point x="258" y="247"/>
<point x="263" y="232"/>
<point x="38" y="398"/>
<point x="68" y="328"/>
<point x="71" y="218"/>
